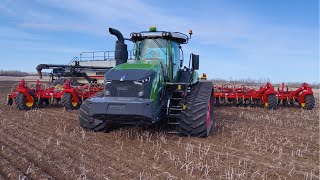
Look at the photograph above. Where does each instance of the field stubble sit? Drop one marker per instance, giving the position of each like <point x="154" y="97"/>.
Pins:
<point x="248" y="143"/>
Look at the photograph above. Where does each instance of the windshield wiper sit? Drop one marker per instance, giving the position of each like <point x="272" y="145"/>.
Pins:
<point x="158" y="44"/>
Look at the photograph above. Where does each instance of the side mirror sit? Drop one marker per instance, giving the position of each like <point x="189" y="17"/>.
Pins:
<point x="195" y="61"/>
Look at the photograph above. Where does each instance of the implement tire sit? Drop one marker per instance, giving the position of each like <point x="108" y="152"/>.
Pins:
<point x="22" y="103"/>
<point x="197" y="119"/>
<point x="89" y="123"/>
<point x="67" y="102"/>
<point x="272" y="102"/>
<point x="43" y="102"/>
<point x="10" y="102"/>
<point x="310" y="102"/>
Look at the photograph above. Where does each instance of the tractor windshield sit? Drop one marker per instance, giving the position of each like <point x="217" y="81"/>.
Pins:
<point x="153" y="49"/>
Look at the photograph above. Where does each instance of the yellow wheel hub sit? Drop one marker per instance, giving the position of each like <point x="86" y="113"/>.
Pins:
<point x="266" y="104"/>
<point x="303" y="105"/>
<point x="74" y="104"/>
<point x="30" y="104"/>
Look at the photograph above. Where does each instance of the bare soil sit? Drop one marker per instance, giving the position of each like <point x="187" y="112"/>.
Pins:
<point x="247" y="143"/>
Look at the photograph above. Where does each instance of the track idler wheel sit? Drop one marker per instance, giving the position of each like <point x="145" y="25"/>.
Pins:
<point x="23" y="103"/>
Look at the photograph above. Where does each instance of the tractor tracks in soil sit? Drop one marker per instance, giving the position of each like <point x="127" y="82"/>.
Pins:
<point x="29" y="151"/>
<point x="72" y="149"/>
<point x="254" y="159"/>
<point x="65" y="153"/>
<point x="48" y="143"/>
<point x="19" y="165"/>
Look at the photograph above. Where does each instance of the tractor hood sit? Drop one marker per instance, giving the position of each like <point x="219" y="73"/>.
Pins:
<point x="133" y="70"/>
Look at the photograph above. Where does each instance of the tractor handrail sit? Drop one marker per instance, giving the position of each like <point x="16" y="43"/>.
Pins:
<point x="73" y="60"/>
<point x="100" y="55"/>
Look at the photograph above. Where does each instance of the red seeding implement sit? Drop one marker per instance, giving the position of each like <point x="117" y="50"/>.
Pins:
<point x="265" y="96"/>
<point x="243" y="95"/>
<point x="31" y="95"/>
<point x="303" y="95"/>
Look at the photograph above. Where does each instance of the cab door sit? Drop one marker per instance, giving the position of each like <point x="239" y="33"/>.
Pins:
<point x="175" y="59"/>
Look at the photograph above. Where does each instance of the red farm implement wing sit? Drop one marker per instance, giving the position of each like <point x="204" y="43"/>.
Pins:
<point x="265" y="96"/>
<point x="27" y="96"/>
<point x="303" y="95"/>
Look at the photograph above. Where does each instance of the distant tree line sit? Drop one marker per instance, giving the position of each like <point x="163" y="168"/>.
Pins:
<point x="14" y="73"/>
<point x="261" y="82"/>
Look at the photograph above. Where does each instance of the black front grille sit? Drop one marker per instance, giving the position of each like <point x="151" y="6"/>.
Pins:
<point x="123" y="89"/>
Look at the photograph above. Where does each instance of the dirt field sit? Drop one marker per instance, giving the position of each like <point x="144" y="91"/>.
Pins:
<point x="247" y="143"/>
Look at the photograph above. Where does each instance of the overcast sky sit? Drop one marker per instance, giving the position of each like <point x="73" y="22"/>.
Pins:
<point x="270" y="39"/>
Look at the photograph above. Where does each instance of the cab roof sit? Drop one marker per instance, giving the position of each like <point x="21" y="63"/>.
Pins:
<point x="175" y="36"/>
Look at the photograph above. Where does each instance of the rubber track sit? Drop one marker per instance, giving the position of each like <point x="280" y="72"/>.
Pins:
<point x="193" y="119"/>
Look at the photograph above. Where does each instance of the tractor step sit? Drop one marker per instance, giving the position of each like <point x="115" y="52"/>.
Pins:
<point x="174" y="115"/>
<point x="175" y="109"/>
<point x="173" y="123"/>
<point x="176" y="98"/>
<point x="173" y="132"/>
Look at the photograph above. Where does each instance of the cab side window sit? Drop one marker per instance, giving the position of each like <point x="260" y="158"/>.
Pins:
<point x="175" y="53"/>
<point x="175" y="58"/>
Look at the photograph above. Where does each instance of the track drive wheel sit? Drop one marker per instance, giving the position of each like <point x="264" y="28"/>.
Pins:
<point x="68" y="102"/>
<point x="309" y="102"/>
<point x="197" y="119"/>
<point x="272" y="102"/>
<point x="24" y="104"/>
<point x="89" y="123"/>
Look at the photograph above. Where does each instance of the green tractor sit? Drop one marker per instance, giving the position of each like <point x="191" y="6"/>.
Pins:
<point x="155" y="88"/>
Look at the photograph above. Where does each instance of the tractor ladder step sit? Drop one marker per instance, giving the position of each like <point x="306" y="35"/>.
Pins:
<point x="175" y="108"/>
<point x="176" y="98"/>
<point x="173" y="123"/>
<point x="173" y="132"/>
<point x="174" y="115"/>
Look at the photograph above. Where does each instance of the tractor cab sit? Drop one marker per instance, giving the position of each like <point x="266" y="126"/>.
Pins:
<point x="160" y="46"/>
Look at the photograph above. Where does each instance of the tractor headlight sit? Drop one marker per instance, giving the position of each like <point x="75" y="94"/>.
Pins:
<point x="141" y="93"/>
<point x="135" y="35"/>
<point x="107" y="92"/>
<point x="166" y="34"/>
<point x="140" y="82"/>
<point x="107" y="81"/>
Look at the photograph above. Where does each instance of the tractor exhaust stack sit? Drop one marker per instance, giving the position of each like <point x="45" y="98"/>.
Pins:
<point x="121" y="49"/>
